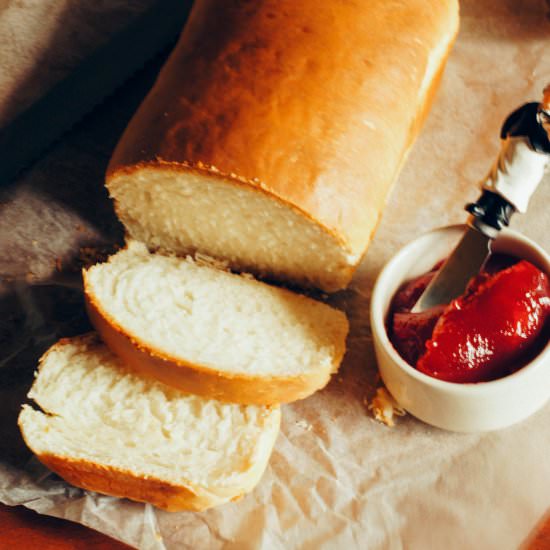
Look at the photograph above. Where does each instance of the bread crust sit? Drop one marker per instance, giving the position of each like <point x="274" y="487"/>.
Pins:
<point x="125" y="484"/>
<point x="199" y="379"/>
<point x="313" y="103"/>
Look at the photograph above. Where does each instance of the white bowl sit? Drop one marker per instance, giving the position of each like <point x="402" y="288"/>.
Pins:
<point x="458" y="407"/>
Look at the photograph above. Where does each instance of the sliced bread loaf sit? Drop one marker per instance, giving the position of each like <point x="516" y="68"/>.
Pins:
<point x="275" y="131"/>
<point x="210" y="332"/>
<point x="104" y="428"/>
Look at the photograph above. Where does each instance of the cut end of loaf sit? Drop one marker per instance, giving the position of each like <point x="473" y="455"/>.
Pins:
<point x="211" y="332"/>
<point x="105" y="429"/>
<point x="178" y="209"/>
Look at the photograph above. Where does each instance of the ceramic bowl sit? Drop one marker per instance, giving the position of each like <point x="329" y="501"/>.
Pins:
<point x="453" y="406"/>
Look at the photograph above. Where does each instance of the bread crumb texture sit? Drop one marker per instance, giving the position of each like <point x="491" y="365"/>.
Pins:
<point x="384" y="407"/>
<point x="194" y="313"/>
<point x="96" y="414"/>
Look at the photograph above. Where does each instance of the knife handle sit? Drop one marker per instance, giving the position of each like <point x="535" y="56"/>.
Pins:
<point x="490" y="213"/>
<point x="516" y="173"/>
<point x="523" y="157"/>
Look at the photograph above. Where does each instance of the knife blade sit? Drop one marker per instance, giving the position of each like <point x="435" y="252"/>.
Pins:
<point x="29" y="135"/>
<point x="451" y="280"/>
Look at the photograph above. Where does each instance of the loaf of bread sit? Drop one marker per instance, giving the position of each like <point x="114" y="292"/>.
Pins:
<point x="275" y="130"/>
<point x="101" y="427"/>
<point x="210" y="332"/>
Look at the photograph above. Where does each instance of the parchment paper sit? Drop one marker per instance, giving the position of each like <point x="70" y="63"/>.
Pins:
<point x="337" y="478"/>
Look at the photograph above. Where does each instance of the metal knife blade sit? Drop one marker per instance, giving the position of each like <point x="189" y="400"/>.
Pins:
<point x="452" y="278"/>
<point x="98" y="76"/>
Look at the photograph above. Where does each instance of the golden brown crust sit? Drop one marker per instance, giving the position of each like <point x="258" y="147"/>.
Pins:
<point x="121" y="483"/>
<point x="201" y="380"/>
<point x="315" y="103"/>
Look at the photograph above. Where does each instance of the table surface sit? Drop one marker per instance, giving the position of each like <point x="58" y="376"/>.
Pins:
<point x="20" y="528"/>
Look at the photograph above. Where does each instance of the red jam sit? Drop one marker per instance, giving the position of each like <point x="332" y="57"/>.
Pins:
<point x="500" y="323"/>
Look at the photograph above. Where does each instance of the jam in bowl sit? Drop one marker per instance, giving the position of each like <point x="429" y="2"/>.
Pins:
<point x="479" y="363"/>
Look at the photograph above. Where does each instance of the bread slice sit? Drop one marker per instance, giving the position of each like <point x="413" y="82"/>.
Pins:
<point x="275" y="131"/>
<point x="210" y="332"/>
<point x="105" y="429"/>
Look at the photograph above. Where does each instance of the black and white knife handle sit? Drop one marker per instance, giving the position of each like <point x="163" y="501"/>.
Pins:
<point x="519" y="168"/>
<point x="490" y="213"/>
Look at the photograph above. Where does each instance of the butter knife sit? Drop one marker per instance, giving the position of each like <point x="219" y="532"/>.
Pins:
<point x="514" y="177"/>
